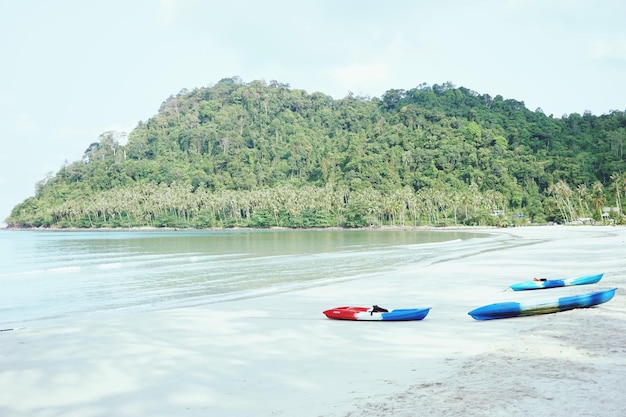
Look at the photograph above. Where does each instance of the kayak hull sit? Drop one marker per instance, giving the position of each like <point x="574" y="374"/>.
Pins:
<point x="553" y="283"/>
<point x="367" y="314"/>
<point x="529" y="308"/>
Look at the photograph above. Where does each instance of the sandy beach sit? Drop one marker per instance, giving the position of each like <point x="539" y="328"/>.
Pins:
<point x="279" y="356"/>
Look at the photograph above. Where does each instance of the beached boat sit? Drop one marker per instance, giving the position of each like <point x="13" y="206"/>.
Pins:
<point x="529" y="308"/>
<point x="540" y="283"/>
<point x="376" y="313"/>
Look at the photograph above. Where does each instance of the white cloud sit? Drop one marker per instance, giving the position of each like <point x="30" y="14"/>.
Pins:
<point x="168" y="11"/>
<point x="72" y="132"/>
<point x="607" y="49"/>
<point x="25" y="124"/>
<point x="5" y="98"/>
<point x="359" y="76"/>
<point x="120" y="127"/>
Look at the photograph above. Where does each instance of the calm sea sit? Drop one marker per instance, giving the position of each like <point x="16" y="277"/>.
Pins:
<point x="54" y="274"/>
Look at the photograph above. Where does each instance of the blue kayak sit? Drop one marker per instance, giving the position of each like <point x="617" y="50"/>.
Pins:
<point x="528" y="308"/>
<point x="540" y="283"/>
<point x="376" y="313"/>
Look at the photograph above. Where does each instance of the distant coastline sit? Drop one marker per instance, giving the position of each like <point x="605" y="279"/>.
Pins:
<point x="382" y="228"/>
<point x="153" y="228"/>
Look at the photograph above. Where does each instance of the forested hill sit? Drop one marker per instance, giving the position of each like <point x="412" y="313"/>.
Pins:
<point x="262" y="155"/>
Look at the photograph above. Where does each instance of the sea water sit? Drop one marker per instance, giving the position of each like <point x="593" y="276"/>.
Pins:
<point x="48" y="275"/>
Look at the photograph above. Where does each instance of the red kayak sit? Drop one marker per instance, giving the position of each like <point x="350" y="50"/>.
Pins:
<point x="376" y="313"/>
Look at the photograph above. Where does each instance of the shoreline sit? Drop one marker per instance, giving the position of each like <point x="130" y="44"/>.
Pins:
<point x="277" y="355"/>
<point x="386" y="228"/>
<point x="258" y="228"/>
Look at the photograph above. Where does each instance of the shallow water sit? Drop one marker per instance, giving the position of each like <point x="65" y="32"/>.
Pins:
<point x="55" y="274"/>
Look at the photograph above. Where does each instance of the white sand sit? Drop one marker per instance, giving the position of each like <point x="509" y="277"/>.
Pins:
<point x="279" y="356"/>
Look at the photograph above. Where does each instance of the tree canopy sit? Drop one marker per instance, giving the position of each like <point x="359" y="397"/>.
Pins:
<point x="262" y="155"/>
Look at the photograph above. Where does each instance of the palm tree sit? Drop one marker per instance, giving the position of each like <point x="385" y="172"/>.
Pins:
<point x="562" y="194"/>
<point x="583" y="199"/>
<point x="617" y="180"/>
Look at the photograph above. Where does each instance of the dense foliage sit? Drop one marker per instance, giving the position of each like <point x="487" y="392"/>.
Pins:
<point x="262" y="155"/>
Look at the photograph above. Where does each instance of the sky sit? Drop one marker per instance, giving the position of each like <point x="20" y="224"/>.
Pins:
<point x="74" y="69"/>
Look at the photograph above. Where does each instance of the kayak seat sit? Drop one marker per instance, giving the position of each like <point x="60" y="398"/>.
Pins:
<point x="377" y="309"/>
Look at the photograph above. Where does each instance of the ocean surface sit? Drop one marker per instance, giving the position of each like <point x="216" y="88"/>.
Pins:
<point x="48" y="275"/>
